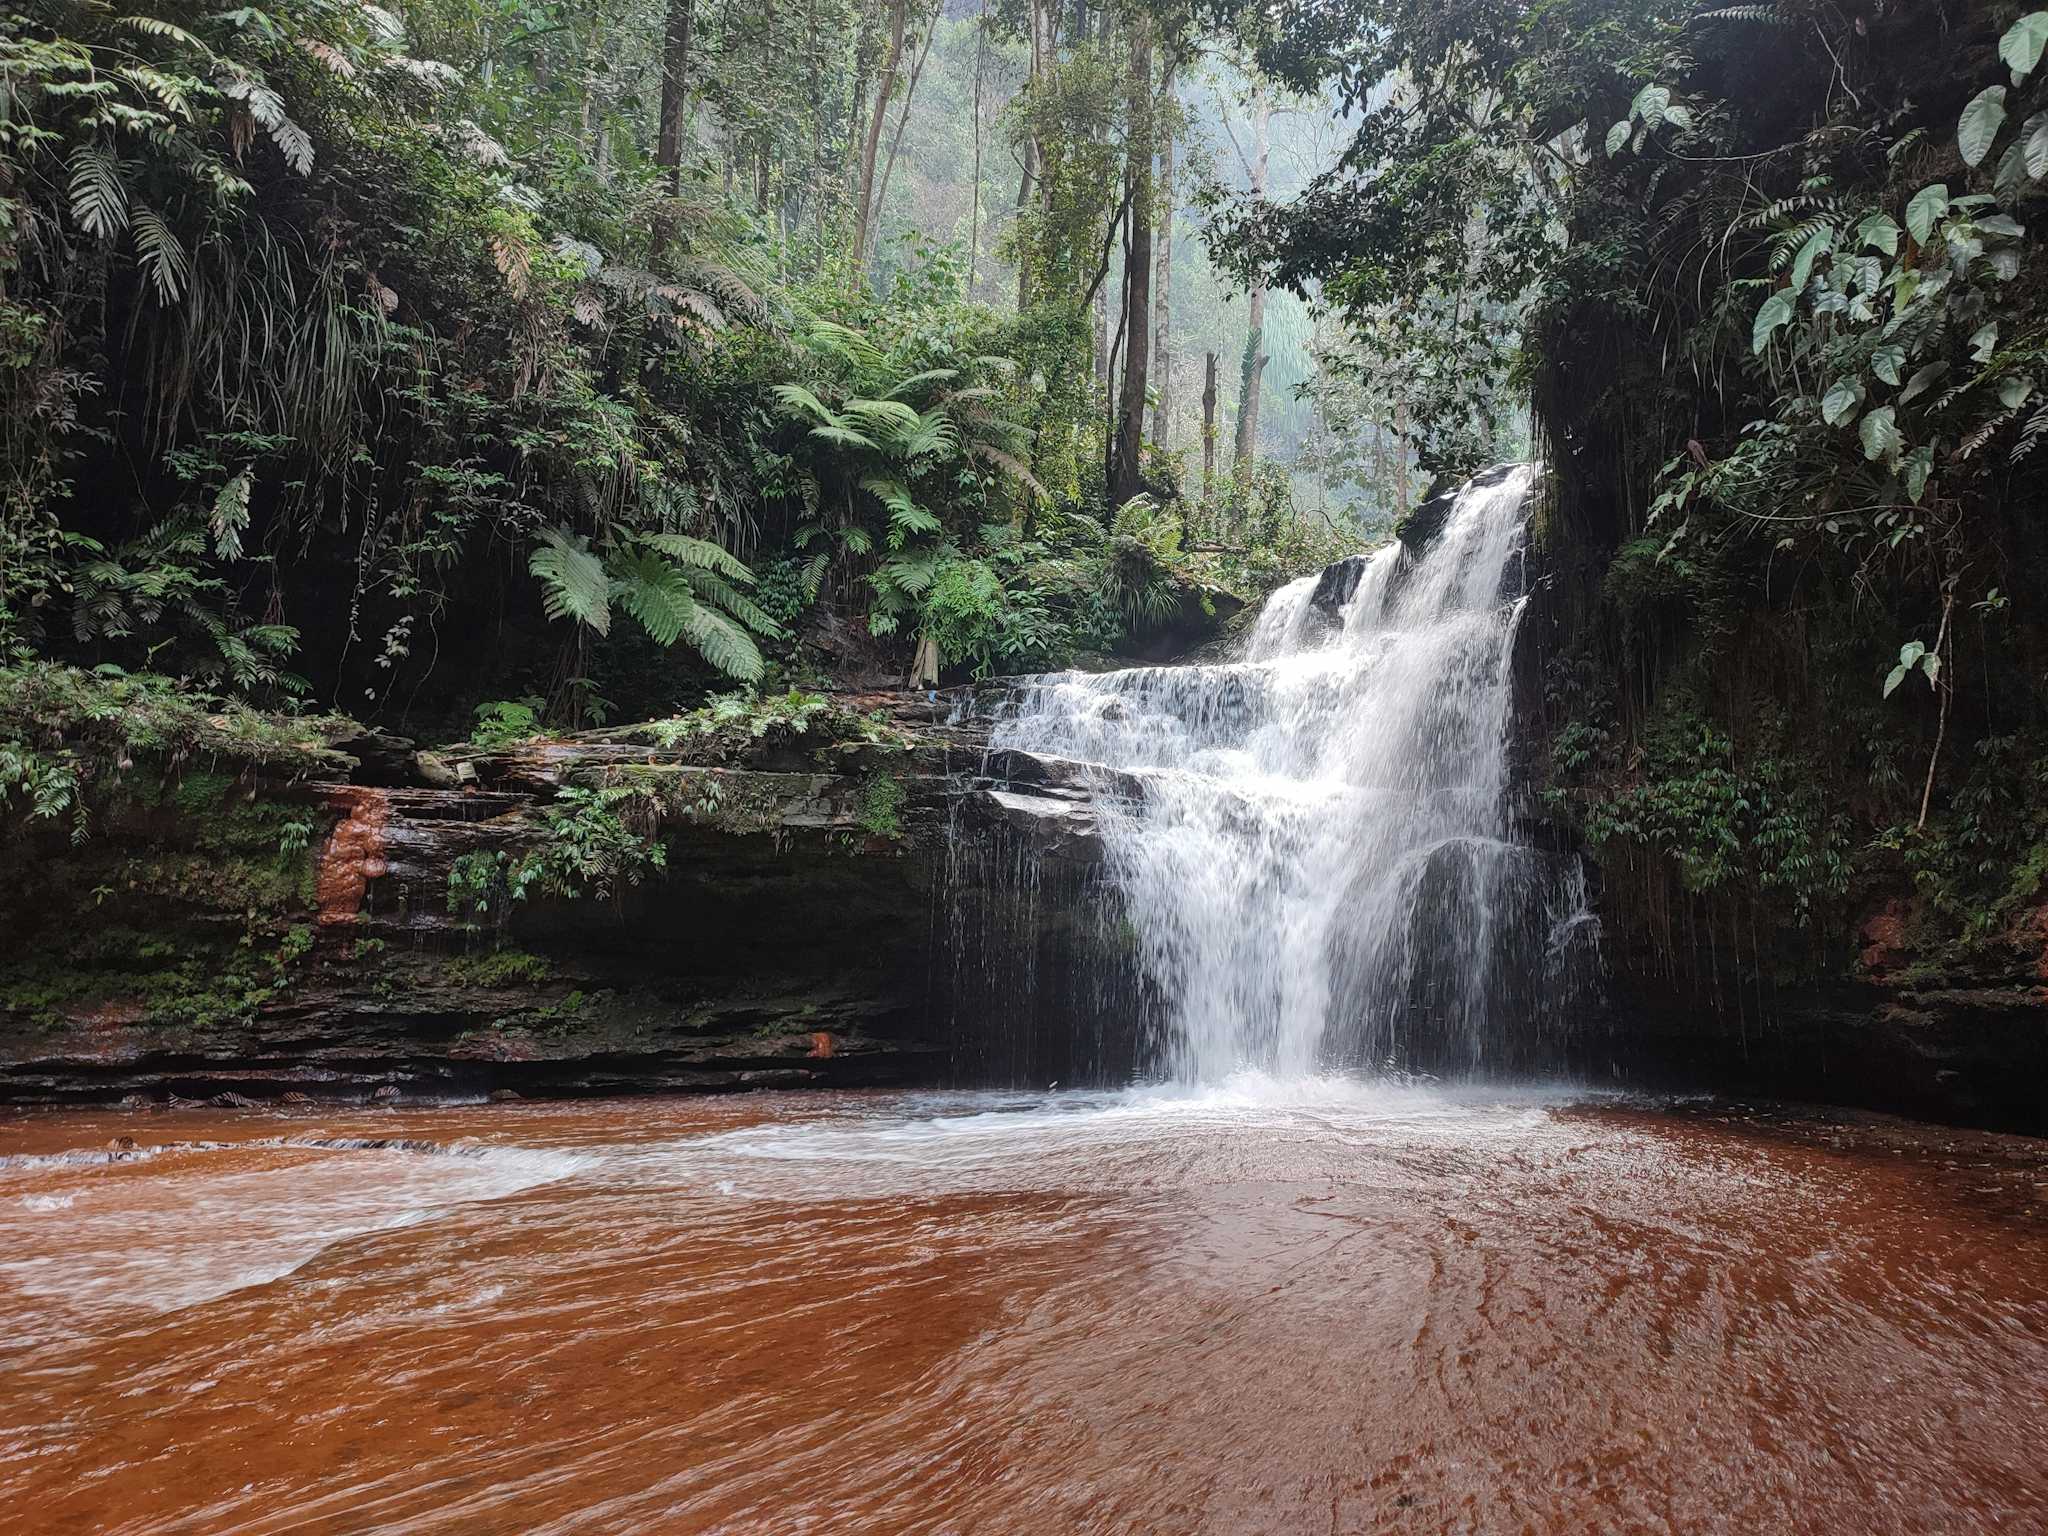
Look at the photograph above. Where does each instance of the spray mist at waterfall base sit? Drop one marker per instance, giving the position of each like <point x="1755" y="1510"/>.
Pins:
<point x="1315" y="845"/>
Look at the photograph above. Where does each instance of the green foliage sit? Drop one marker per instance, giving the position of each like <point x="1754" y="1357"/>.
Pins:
<point x="501" y="722"/>
<point x="591" y="843"/>
<point x="69" y="735"/>
<point x="881" y="806"/>
<point x="1758" y="827"/>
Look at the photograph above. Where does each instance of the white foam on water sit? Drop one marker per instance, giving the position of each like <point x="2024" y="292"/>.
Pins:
<point x="1320" y="861"/>
<point x="202" y="1222"/>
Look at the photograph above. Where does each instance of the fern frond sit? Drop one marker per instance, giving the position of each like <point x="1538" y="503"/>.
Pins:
<point x="845" y="436"/>
<point x="701" y="554"/>
<point x="163" y="255"/>
<point x="715" y="589"/>
<point x="843" y="341"/>
<point x="2031" y="434"/>
<point x="799" y="401"/>
<point x="903" y="387"/>
<point x="573" y="580"/>
<point x="1764" y="13"/>
<point x="231" y="514"/>
<point x="99" y="201"/>
<point x="722" y="642"/>
<point x="888" y="418"/>
<point x="655" y="593"/>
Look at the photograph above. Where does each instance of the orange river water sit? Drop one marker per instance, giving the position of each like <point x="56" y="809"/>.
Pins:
<point x="1313" y="1307"/>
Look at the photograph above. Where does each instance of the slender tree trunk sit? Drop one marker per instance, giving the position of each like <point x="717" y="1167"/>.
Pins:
<point x="1127" y="456"/>
<point x="902" y="119"/>
<point x="1252" y="375"/>
<point x="675" y="108"/>
<point x="872" y="144"/>
<point x="974" y="212"/>
<point x="1027" y="182"/>
<point x="1400" y="457"/>
<point x="1101" y="311"/>
<point x="814" y="48"/>
<point x="1209" y="426"/>
<point x="1946" y="688"/>
<point x="1162" y="274"/>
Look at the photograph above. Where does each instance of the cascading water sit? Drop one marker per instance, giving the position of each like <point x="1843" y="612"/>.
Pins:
<point x="1318" y="863"/>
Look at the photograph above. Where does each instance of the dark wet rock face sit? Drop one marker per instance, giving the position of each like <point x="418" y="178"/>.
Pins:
<point x="788" y="941"/>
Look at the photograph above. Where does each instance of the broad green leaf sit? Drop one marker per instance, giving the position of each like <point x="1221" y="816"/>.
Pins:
<point x="1928" y="205"/>
<point x="1802" y="264"/>
<point x="2034" y="144"/>
<point x="1617" y="136"/>
<point x="2021" y="46"/>
<point x="1999" y="224"/>
<point x="1678" y="117"/>
<point x="1980" y="123"/>
<point x="1931" y="665"/>
<point x="1923" y="379"/>
<point x="1887" y="360"/>
<point x="1651" y="104"/>
<point x="1911" y="652"/>
<point x="1880" y="231"/>
<point x="1984" y="342"/>
<point x="2013" y="392"/>
<point x="1776" y="312"/>
<point x="1919" y="465"/>
<point x="2010" y="179"/>
<point x="1841" y="401"/>
<point x="1880" y="434"/>
<point x="1893" y="679"/>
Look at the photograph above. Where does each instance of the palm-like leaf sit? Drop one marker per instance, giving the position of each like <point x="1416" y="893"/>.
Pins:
<point x="163" y="255"/>
<point x="99" y="200"/>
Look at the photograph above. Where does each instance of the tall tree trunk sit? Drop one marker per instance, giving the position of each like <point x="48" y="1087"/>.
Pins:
<point x="902" y="119"/>
<point x="872" y="144"/>
<point x="1252" y="375"/>
<point x="675" y="110"/>
<point x="1101" y="310"/>
<point x="1162" y="274"/>
<point x="1401" y="456"/>
<point x="1209" y="426"/>
<point x="1026" y="183"/>
<point x="1126" y="477"/>
<point x="974" y="212"/>
<point x="814" y="180"/>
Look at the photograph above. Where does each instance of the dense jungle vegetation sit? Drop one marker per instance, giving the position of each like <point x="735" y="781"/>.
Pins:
<point x="1780" y="302"/>
<point x="502" y="366"/>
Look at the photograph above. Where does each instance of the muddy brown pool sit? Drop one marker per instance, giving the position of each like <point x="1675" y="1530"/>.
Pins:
<point x="1315" y="1307"/>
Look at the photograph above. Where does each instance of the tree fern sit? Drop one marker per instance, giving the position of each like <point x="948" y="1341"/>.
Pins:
<point x="573" y="580"/>
<point x="721" y="641"/>
<point x="700" y="553"/>
<point x="714" y="589"/>
<point x="654" y="592"/>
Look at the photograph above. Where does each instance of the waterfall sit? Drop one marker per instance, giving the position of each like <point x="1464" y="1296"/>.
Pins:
<point x="1314" y="844"/>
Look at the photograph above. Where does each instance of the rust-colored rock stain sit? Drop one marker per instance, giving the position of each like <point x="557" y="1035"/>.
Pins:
<point x="354" y="855"/>
<point x="821" y="1045"/>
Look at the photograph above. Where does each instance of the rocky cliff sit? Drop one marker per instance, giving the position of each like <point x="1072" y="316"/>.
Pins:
<point x="833" y="899"/>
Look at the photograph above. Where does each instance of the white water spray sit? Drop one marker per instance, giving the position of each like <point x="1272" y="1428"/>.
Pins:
<point x="1319" y="869"/>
